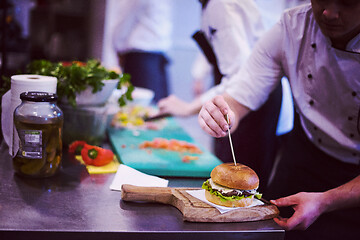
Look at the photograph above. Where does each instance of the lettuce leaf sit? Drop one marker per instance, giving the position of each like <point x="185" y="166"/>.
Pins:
<point x="206" y="185"/>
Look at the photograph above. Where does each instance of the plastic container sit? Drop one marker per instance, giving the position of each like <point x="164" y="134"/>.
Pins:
<point x="85" y="123"/>
<point x="37" y="140"/>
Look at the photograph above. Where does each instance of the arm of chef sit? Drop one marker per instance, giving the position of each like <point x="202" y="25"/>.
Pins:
<point x="309" y="206"/>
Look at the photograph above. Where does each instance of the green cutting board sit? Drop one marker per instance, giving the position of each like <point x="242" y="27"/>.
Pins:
<point x="160" y="162"/>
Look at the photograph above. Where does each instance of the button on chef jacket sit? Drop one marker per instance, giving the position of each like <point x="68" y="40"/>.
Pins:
<point x="325" y="81"/>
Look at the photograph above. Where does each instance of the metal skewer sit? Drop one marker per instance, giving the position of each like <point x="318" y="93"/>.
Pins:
<point x="231" y="145"/>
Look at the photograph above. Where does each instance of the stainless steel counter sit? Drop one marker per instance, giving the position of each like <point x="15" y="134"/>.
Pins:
<point x="76" y="205"/>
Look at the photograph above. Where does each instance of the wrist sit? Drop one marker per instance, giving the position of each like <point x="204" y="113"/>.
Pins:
<point x="344" y="196"/>
<point x="194" y="107"/>
<point x="326" y="201"/>
<point x="187" y="110"/>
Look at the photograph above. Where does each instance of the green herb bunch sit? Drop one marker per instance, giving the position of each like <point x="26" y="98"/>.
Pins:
<point x="74" y="77"/>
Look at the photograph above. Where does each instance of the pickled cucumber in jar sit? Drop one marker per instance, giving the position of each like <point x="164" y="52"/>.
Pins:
<point x="38" y="125"/>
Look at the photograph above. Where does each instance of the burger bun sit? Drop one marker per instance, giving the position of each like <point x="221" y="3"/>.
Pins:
<point x="237" y="176"/>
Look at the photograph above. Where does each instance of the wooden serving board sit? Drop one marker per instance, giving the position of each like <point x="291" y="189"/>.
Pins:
<point x="193" y="209"/>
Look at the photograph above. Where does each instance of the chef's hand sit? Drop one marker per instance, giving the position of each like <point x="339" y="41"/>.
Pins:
<point x="308" y="207"/>
<point x="174" y="106"/>
<point x="212" y="117"/>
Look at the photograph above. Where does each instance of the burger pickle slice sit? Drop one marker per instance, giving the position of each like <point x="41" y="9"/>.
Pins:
<point x="228" y="194"/>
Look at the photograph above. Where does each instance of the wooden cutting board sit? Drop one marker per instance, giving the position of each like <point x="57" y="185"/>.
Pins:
<point x="193" y="209"/>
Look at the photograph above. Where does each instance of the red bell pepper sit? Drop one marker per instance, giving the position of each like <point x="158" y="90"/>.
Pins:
<point x="97" y="156"/>
<point x="76" y="147"/>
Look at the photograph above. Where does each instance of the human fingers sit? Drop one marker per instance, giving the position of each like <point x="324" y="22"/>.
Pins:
<point x="208" y="119"/>
<point x="223" y="111"/>
<point x="165" y="101"/>
<point x="288" y="224"/>
<point x="298" y="221"/>
<point x="281" y="222"/>
<point x="286" y="201"/>
<point x="285" y="223"/>
<point x="220" y="103"/>
<point x="168" y="104"/>
<point x="203" y="124"/>
<point x="219" y="117"/>
<point x="306" y="210"/>
<point x="163" y="108"/>
<point x="162" y="103"/>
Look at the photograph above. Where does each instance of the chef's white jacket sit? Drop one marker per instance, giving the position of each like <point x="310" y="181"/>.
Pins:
<point x="232" y="28"/>
<point x="143" y="25"/>
<point x="325" y="81"/>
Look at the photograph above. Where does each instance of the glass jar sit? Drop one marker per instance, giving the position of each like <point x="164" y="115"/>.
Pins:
<point x="37" y="141"/>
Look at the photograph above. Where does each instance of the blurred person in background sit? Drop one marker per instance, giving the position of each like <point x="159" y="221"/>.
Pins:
<point x="141" y="38"/>
<point x="229" y="31"/>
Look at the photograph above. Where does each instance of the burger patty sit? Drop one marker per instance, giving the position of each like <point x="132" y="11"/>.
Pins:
<point x="227" y="192"/>
<point x="234" y="193"/>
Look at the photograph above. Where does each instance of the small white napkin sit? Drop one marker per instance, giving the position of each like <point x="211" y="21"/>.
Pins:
<point x="128" y="175"/>
<point x="200" y="194"/>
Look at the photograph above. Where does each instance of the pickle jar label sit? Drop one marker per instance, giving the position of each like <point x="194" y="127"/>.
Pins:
<point x="30" y="144"/>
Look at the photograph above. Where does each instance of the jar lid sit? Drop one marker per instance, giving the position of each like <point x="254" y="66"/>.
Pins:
<point x="38" y="96"/>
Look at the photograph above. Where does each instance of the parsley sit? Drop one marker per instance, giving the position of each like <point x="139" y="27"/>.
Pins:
<point x="74" y="77"/>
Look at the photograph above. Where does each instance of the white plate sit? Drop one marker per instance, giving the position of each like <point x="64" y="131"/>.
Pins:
<point x="87" y="98"/>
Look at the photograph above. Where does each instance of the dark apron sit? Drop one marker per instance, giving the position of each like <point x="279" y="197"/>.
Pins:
<point x="147" y="70"/>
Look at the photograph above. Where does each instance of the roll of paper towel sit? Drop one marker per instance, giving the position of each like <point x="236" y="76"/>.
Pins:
<point x="11" y="99"/>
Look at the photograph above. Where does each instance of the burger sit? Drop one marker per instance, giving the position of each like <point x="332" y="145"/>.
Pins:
<point x="232" y="185"/>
